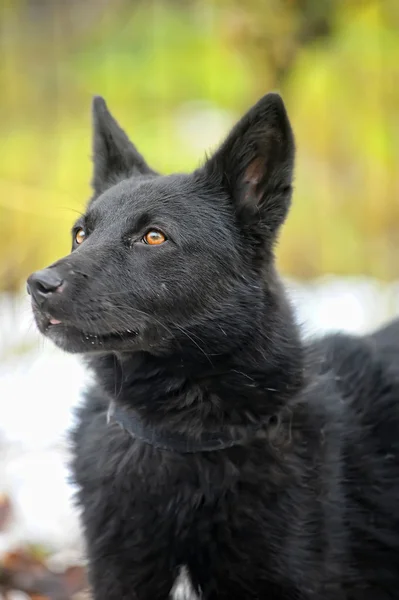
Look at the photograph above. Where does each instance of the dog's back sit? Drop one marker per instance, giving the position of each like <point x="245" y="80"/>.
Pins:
<point x="387" y="342"/>
<point x="366" y="373"/>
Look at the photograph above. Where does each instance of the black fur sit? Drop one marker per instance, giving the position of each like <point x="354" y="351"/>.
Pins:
<point x="197" y="333"/>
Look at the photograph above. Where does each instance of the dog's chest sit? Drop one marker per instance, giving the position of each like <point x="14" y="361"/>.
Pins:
<point x="183" y="588"/>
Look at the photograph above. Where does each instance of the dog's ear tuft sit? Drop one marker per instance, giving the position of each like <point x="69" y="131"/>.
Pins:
<point x="255" y="164"/>
<point x="114" y="155"/>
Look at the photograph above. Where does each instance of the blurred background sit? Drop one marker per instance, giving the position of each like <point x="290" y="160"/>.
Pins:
<point x="177" y="75"/>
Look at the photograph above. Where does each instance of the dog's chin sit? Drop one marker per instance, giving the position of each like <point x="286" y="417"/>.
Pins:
<point x="74" y="340"/>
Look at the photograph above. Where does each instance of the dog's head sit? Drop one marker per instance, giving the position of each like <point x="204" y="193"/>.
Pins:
<point x="157" y="260"/>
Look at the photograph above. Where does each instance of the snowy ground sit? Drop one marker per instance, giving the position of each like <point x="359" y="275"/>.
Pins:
<point x="33" y="452"/>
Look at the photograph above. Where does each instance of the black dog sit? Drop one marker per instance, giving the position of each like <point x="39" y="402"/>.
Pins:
<point x="216" y="446"/>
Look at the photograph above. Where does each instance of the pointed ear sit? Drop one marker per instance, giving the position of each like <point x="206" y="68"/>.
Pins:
<point x="114" y="155"/>
<point x="254" y="165"/>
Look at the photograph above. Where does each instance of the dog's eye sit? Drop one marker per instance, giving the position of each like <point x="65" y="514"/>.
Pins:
<point x="154" y="237"/>
<point x="80" y="236"/>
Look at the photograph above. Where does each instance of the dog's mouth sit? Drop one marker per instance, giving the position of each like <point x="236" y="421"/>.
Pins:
<point x="74" y="339"/>
<point x="89" y="336"/>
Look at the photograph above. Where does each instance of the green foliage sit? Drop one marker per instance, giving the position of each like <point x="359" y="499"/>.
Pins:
<point x="156" y="63"/>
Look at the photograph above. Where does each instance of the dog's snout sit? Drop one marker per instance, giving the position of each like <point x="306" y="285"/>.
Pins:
<point x="42" y="284"/>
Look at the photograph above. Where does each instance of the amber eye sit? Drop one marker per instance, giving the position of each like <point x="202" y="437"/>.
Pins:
<point x="154" y="237"/>
<point x="80" y="236"/>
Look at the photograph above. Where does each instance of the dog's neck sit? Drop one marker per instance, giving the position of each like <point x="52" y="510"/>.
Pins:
<point x="186" y="390"/>
<point x="187" y="442"/>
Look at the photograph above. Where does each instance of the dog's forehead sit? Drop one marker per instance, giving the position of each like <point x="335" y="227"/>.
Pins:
<point x="162" y="194"/>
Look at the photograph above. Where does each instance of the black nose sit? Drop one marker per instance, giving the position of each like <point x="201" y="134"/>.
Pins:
<point x="42" y="284"/>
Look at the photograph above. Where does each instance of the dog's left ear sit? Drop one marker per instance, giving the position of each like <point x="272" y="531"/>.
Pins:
<point x="114" y="155"/>
<point x="254" y="165"/>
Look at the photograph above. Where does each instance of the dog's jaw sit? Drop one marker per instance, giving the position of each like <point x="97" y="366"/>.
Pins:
<point x="73" y="340"/>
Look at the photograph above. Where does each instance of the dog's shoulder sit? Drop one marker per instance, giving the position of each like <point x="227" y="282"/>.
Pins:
<point x="364" y="373"/>
<point x="363" y="367"/>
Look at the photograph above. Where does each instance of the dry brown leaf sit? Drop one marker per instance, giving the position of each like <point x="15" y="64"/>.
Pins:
<point x="5" y="511"/>
<point x="21" y="570"/>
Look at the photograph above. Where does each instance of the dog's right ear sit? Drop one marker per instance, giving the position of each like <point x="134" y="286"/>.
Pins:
<point x="114" y="155"/>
